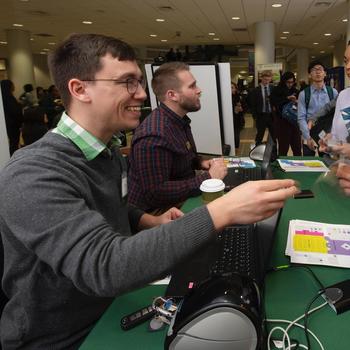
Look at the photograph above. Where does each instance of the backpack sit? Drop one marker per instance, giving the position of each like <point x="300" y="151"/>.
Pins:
<point x="308" y="95"/>
<point x="290" y="113"/>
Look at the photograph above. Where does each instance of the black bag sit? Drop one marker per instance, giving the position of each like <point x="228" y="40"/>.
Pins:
<point x="323" y="123"/>
<point x="290" y="113"/>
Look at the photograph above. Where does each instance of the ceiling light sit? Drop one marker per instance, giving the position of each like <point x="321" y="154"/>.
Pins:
<point x="45" y="50"/>
<point x="236" y="18"/>
<point x="283" y="37"/>
<point x="164" y="40"/>
<point x="153" y="35"/>
<point x="31" y="39"/>
<point x="327" y="34"/>
<point x="42" y="53"/>
<point x="243" y="72"/>
<point x="3" y="42"/>
<point x="51" y="43"/>
<point x="315" y="43"/>
<point x="276" y="5"/>
<point x="17" y="25"/>
<point x="322" y="51"/>
<point x="87" y="22"/>
<point x="312" y="56"/>
<point x="344" y="20"/>
<point x="216" y="39"/>
<point x="160" y="20"/>
<point x="211" y="33"/>
<point x="285" y="32"/>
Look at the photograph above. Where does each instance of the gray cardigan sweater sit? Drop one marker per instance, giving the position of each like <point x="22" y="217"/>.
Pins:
<point x="67" y="243"/>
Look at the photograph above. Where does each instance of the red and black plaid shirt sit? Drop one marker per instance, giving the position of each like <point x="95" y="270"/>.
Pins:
<point x="163" y="160"/>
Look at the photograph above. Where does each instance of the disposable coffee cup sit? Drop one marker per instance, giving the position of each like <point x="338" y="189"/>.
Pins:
<point x="211" y="189"/>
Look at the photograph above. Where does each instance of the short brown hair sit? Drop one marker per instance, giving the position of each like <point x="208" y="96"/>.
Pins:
<point x="79" y="56"/>
<point x="166" y="78"/>
<point x="266" y="73"/>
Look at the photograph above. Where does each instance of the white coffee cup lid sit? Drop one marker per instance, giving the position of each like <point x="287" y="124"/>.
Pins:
<point x="212" y="185"/>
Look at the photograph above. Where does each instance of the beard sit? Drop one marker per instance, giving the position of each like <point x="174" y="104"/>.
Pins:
<point x="190" y="105"/>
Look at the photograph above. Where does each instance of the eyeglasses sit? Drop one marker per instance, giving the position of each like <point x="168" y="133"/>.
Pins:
<point x="132" y="84"/>
<point x="320" y="69"/>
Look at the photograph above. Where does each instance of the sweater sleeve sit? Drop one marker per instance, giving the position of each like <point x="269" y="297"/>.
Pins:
<point x="58" y="227"/>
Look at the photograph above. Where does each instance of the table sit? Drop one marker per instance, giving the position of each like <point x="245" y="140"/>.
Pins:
<point x="287" y="292"/>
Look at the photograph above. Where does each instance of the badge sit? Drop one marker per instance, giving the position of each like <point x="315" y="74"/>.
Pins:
<point x="124" y="184"/>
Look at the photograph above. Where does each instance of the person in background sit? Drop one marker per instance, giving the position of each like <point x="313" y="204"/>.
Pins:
<point x="40" y="94"/>
<point x="13" y="114"/>
<point x="163" y="158"/>
<point x="238" y="113"/>
<point x="34" y="124"/>
<point x="287" y="134"/>
<point x="52" y="105"/>
<point x="302" y="85"/>
<point x="319" y="94"/>
<point x="260" y="105"/>
<point x="72" y="251"/>
<point x="27" y="98"/>
<point x="340" y="132"/>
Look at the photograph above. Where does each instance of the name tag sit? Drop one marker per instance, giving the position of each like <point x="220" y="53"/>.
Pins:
<point x="124" y="184"/>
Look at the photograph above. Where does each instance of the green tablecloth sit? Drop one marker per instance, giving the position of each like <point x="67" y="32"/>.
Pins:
<point x="287" y="292"/>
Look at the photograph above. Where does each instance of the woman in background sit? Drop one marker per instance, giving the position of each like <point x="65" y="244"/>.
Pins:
<point x="13" y="114"/>
<point x="288" y="134"/>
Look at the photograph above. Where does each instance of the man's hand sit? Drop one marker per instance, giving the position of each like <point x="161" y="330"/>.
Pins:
<point x="169" y="215"/>
<point x="311" y="144"/>
<point x="310" y="124"/>
<point x="343" y="174"/>
<point x="251" y="202"/>
<point x="292" y="98"/>
<point x="343" y="149"/>
<point x="323" y="143"/>
<point x="149" y="221"/>
<point x="218" y="169"/>
<point x="205" y="164"/>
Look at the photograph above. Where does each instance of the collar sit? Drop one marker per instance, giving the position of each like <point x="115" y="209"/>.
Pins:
<point x="90" y="145"/>
<point x="323" y="88"/>
<point x="184" y="121"/>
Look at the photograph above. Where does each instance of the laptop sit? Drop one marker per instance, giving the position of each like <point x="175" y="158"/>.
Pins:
<point x="203" y="264"/>
<point x="237" y="176"/>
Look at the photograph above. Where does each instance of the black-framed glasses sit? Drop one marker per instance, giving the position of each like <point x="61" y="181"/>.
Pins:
<point x="131" y="83"/>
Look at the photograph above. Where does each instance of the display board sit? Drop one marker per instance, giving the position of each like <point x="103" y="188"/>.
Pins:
<point x="4" y="146"/>
<point x="207" y="124"/>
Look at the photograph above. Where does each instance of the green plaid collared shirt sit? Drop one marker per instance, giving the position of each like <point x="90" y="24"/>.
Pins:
<point x="86" y="142"/>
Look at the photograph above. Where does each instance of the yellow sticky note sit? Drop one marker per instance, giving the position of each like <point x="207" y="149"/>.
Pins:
<point x="308" y="243"/>
<point x="312" y="164"/>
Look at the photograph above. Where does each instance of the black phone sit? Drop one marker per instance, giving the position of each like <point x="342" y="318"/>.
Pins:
<point x="304" y="194"/>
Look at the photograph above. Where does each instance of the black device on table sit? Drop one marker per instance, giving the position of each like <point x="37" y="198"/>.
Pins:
<point x="237" y="176"/>
<point x="220" y="287"/>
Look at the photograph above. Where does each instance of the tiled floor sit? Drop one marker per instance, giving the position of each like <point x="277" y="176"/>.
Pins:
<point x="247" y="136"/>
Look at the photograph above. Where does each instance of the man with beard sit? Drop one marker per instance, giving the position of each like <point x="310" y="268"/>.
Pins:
<point x="163" y="159"/>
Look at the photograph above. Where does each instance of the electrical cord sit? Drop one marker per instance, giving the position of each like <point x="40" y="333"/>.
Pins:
<point x="306" y="314"/>
<point x="285" y="267"/>
<point x="295" y="323"/>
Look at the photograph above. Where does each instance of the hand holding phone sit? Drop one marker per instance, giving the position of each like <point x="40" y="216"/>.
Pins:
<point x="304" y="194"/>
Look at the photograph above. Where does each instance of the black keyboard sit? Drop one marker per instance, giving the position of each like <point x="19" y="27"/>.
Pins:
<point x="237" y="252"/>
<point x="238" y="176"/>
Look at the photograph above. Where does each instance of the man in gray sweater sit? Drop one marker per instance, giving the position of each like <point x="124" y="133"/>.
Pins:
<point x="64" y="221"/>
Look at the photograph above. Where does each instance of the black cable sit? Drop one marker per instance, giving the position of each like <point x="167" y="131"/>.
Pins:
<point x="322" y="287"/>
<point x="306" y="317"/>
<point x="285" y="267"/>
<point x="320" y="292"/>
